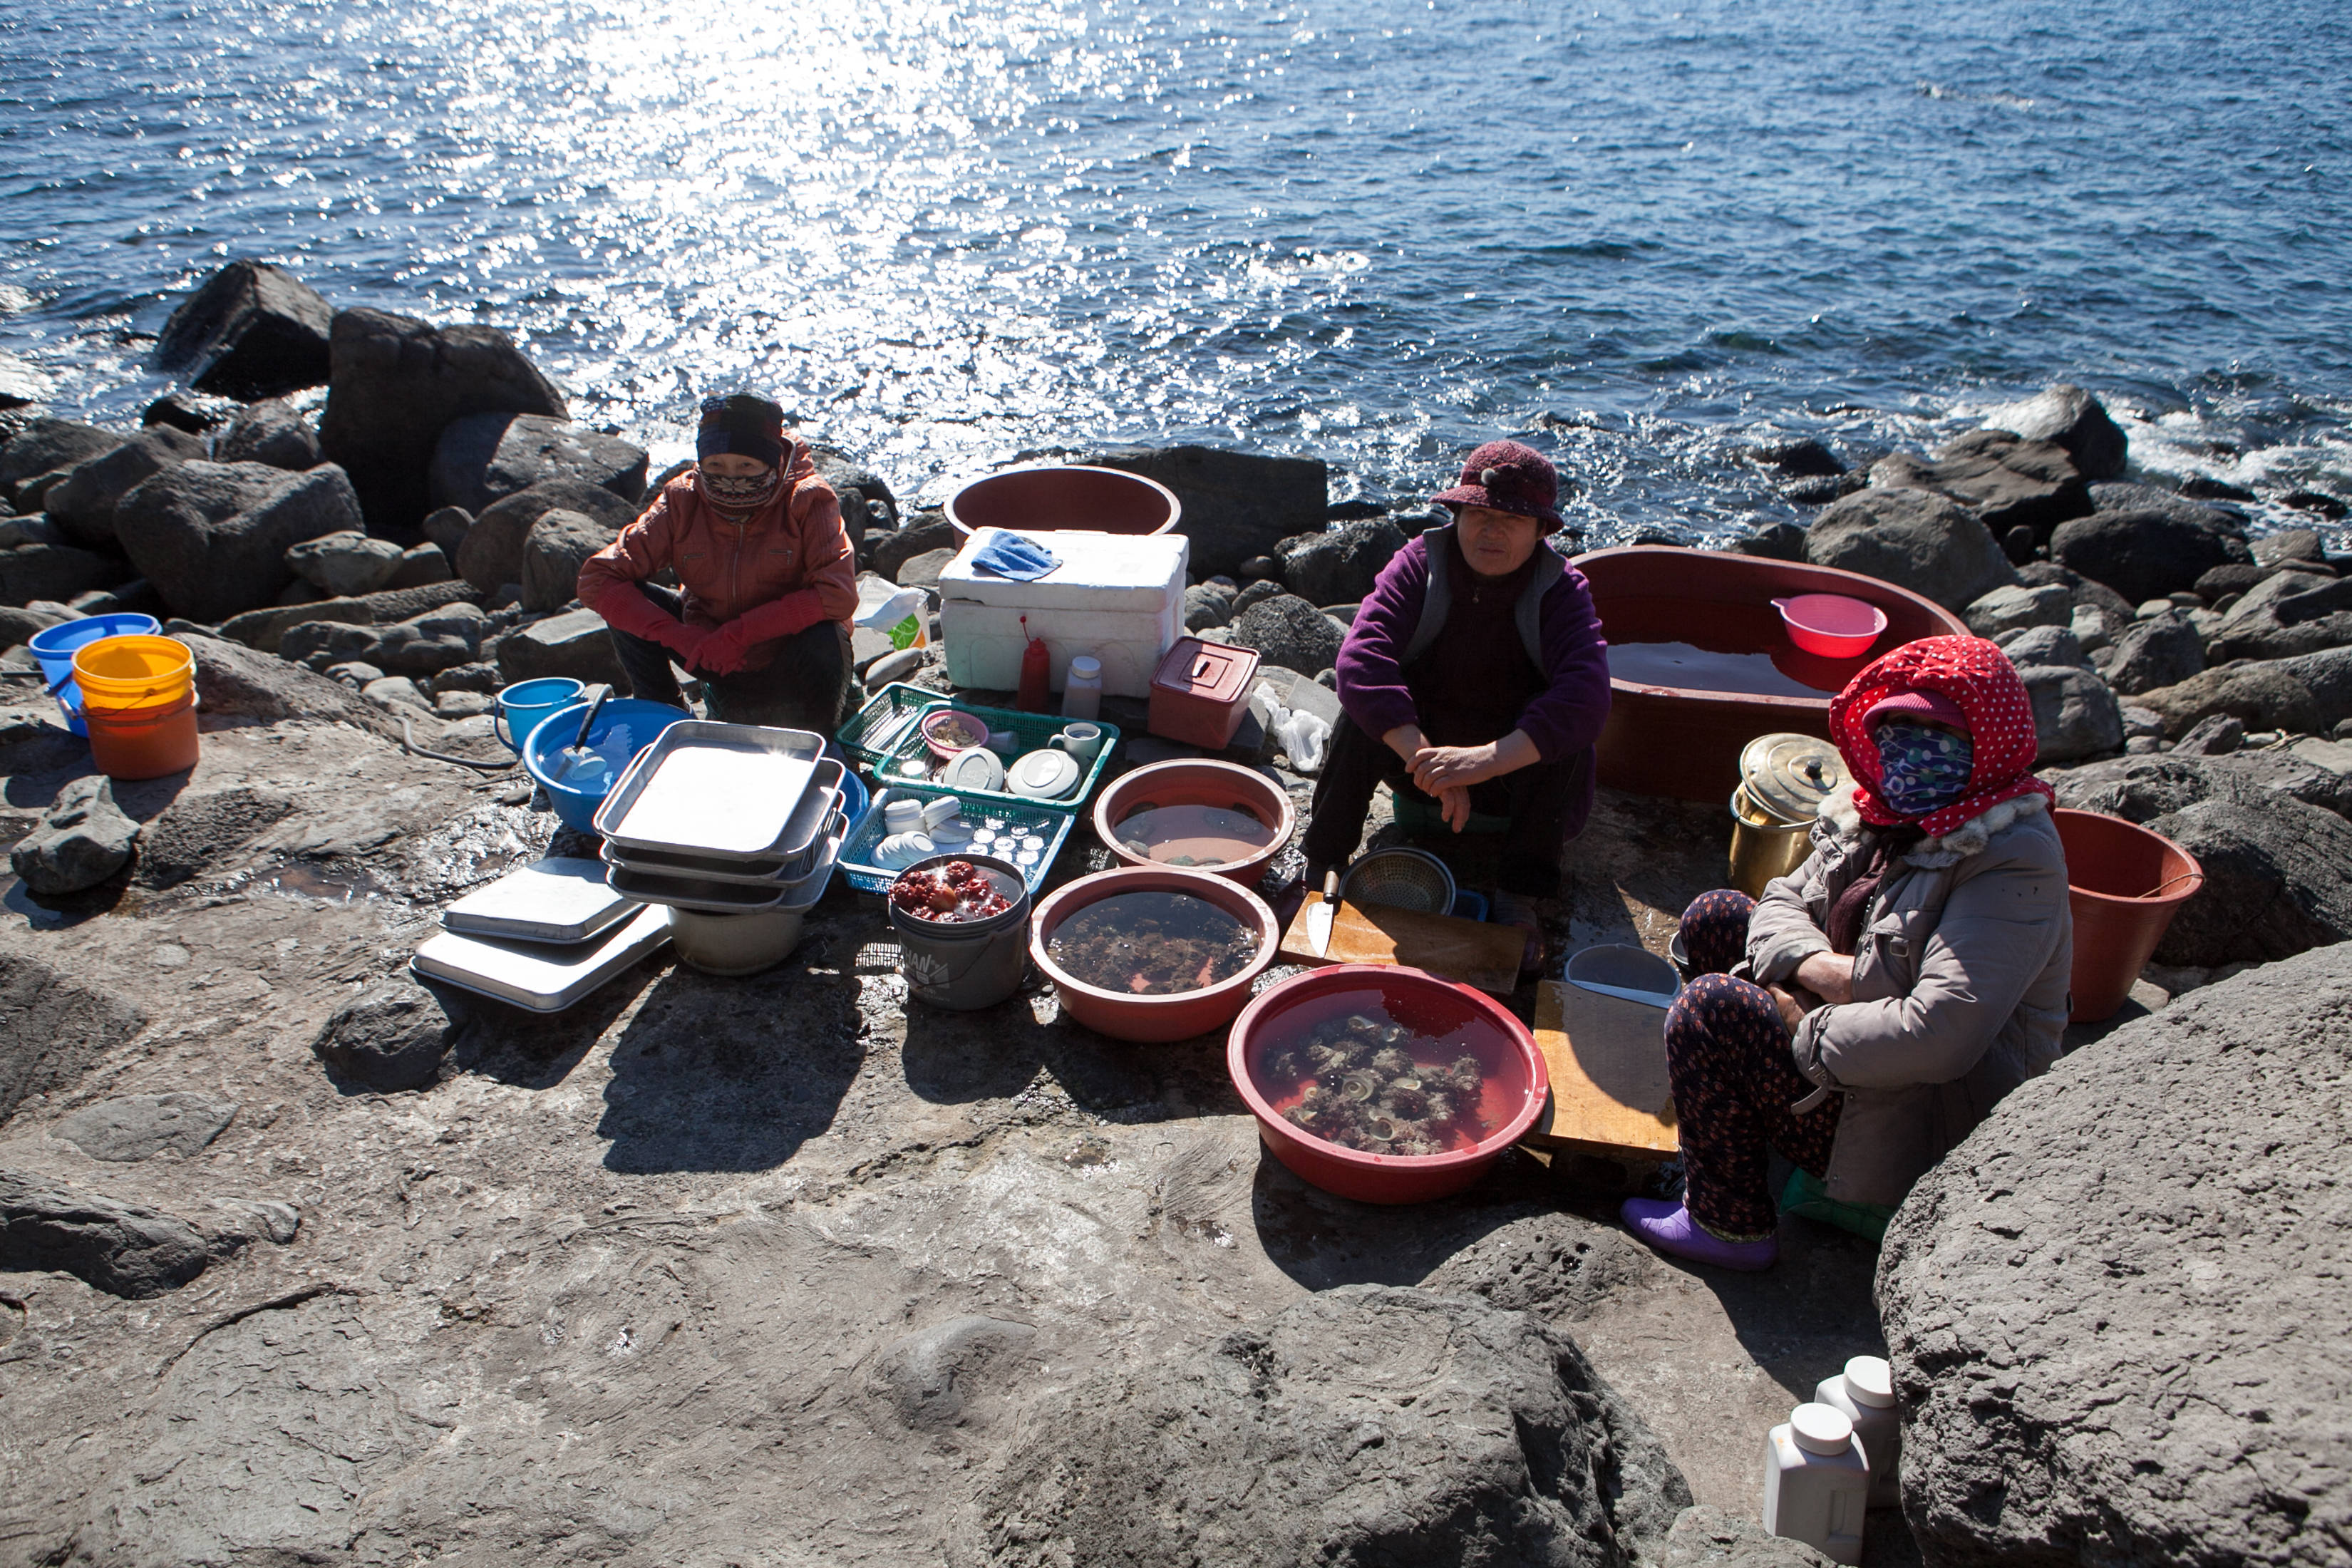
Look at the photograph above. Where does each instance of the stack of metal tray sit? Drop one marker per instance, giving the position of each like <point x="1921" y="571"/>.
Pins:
<point x="541" y="937"/>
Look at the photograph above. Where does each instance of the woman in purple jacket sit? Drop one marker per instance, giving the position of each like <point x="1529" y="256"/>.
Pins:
<point x="1474" y="673"/>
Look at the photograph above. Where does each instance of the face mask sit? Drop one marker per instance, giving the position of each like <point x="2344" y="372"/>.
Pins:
<point x="1922" y="768"/>
<point x="729" y="491"/>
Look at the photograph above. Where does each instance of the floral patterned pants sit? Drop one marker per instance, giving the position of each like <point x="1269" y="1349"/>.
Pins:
<point x="1734" y="1081"/>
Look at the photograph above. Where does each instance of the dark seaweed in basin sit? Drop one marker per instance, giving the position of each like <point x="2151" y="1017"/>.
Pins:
<point x="1366" y="1089"/>
<point x="1152" y="945"/>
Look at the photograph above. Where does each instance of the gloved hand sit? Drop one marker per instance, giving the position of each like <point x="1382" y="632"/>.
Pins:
<point x="724" y="651"/>
<point x="681" y="639"/>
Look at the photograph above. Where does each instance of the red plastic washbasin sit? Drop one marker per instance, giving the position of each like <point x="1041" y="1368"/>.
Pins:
<point x="1198" y="782"/>
<point x="1517" y="1086"/>
<point x="1831" y="625"/>
<point x="1072" y="495"/>
<point x="2124" y="885"/>
<point x="1153" y="1019"/>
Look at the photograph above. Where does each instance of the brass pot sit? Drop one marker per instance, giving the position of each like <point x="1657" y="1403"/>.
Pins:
<point x="1783" y="778"/>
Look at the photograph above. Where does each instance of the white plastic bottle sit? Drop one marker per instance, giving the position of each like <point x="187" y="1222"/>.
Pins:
<point x="1082" y="696"/>
<point x="1816" y="1482"/>
<point x="1864" y="1395"/>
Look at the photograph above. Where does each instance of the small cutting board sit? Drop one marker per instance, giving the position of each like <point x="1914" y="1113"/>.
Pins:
<point x="1473" y="952"/>
<point x="1631" y="1119"/>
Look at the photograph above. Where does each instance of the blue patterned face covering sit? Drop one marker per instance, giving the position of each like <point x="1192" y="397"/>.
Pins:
<point x="1922" y="768"/>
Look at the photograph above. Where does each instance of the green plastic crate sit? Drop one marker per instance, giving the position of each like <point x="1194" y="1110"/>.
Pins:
<point x="1030" y="728"/>
<point x="857" y="867"/>
<point x="882" y="708"/>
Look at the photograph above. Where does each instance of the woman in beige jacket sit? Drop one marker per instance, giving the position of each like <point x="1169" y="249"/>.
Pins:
<point x="1877" y="1001"/>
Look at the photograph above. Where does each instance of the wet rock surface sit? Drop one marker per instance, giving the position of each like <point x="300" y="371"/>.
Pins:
<point x="1915" y="538"/>
<point x="2182" y="1397"/>
<point x="252" y="331"/>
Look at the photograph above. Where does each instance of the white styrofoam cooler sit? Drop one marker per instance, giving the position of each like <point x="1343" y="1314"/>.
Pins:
<point x="1117" y="597"/>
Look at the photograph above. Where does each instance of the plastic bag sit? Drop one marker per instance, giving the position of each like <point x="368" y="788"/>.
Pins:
<point x="1303" y="736"/>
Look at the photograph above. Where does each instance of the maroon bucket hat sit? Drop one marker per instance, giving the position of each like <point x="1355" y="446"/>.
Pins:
<point x="1508" y="476"/>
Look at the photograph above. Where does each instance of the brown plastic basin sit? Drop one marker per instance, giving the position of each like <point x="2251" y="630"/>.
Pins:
<point x="1198" y="782"/>
<point x="1040" y="499"/>
<point x="1684" y="742"/>
<point x="1152" y="1020"/>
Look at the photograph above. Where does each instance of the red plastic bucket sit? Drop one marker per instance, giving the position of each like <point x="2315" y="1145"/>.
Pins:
<point x="143" y="743"/>
<point x="2125" y="884"/>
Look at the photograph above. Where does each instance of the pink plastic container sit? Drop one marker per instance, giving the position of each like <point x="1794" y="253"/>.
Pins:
<point x="1517" y="1086"/>
<point x="1832" y="625"/>
<point x="1200" y="692"/>
<point x="1153" y="1019"/>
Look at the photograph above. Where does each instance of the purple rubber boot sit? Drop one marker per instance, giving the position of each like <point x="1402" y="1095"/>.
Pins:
<point x="1670" y="1228"/>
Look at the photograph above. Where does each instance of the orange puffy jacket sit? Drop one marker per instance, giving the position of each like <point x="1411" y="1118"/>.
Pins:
<point x="780" y="573"/>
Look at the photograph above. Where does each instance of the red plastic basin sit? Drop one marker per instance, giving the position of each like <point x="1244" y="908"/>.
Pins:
<point x="1124" y="1016"/>
<point x="1070" y="495"/>
<point x="1832" y="625"/>
<point x="2124" y="885"/>
<point x="1198" y="782"/>
<point x="1517" y="1088"/>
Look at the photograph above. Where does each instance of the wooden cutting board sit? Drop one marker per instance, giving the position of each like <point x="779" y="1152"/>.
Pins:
<point x="1473" y="952"/>
<point x="1617" y="1103"/>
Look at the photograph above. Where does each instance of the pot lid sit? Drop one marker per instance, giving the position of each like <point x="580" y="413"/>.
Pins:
<point x="976" y="767"/>
<point x="1048" y="774"/>
<point x="1787" y="776"/>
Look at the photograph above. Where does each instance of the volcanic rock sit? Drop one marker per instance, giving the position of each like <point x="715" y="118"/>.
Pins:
<point x="232" y="679"/>
<point x="251" y="331"/>
<point x="212" y="537"/>
<point x="2162" y="650"/>
<point x="1914" y="537"/>
<point x="2074" y="714"/>
<point x="125" y="1250"/>
<point x="2278" y="882"/>
<point x="396" y="384"/>
<point x="1207" y="604"/>
<point x="391" y="1036"/>
<point x="51" y="446"/>
<point x="83" y="502"/>
<point x="421" y="566"/>
<point x="137" y="1127"/>
<point x="578" y="644"/>
<point x="344" y="564"/>
<point x="861" y="491"/>
<point x="485" y="458"/>
<point x="1338" y="566"/>
<point x="18" y="624"/>
<point x="2215" y="735"/>
<point x="83" y="839"/>
<point x="271" y="433"/>
<point x="2115" y="1312"/>
<point x="54" y="573"/>
<point x="2017" y="606"/>
<point x="1236" y="504"/>
<point x="203" y="831"/>
<point x="436" y="641"/>
<point x="924" y="533"/>
<point x="490" y="555"/>
<point x="53" y="1026"/>
<point x="2309" y="694"/>
<point x="558" y="543"/>
<point x="2074" y="420"/>
<point x="2142" y="555"/>
<point x="1289" y="632"/>
<point x="2288" y="613"/>
<point x="2007" y="482"/>
<point x="2141" y="789"/>
<point x="264" y="629"/>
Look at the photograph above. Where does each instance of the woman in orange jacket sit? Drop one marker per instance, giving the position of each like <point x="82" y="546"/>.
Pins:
<point x="767" y="578"/>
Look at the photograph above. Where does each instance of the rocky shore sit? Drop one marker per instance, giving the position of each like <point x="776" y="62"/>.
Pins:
<point x="299" y="1262"/>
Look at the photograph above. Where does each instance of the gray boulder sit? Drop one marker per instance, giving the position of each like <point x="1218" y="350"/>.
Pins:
<point x="1289" y="632"/>
<point x="52" y="1027"/>
<point x="2215" y="735"/>
<point x="48" y="447"/>
<point x="1207" y="604"/>
<point x="2287" y="613"/>
<point x="396" y="692"/>
<point x="2162" y="650"/>
<point x="1364" y="1425"/>
<point x="448" y="527"/>
<point x="485" y="458"/>
<point x="1338" y="566"/>
<point x="232" y="679"/>
<point x="1236" y="504"/>
<point x="2141" y="789"/>
<point x="867" y="498"/>
<point x="344" y="564"/>
<point x="1256" y="592"/>
<point x="18" y="624"/>
<point x="578" y="644"/>
<point x="55" y="573"/>
<point x="2309" y="694"/>
<point x="136" y="1127"/>
<point x="35" y="528"/>
<point x="1915" y="539"/>
<point x="83" y="502"/>
<point x="2291" y="546"/>
<point x="83" y="839"/>
<point x="2278" y="882"/>
<point x="205" y="832"/>
<point x="2118" y="497"/>
<point x="1709" y="1538"/>
<point x="125" y="1250"/>
<point x="396" y="384"/>
<point x="924" y="532"/>
<point x="923" y="571"/>
<point x="212" y="537"/>
<point x="490" y="555"/>
<point x="2116" y="1312"/>
<point x="2074" y="714"/>
<point x="251" y="331"/>
<point x="2142" y="555"/>
<point x="265" y="629"/>
<point x="552" y="553"/>
<point x="2005" y="483"/>
<point x="2071" y="419"/>
<point x="2043" y="645"/>
<point x="271" y="433"/>
<point x="424" y="645"/>
<point x="2017" y="606"/>
<point x="421" y="566"/>
<point x="391" y="1036"/>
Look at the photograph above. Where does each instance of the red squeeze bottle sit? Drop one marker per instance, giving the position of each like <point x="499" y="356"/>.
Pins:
<point x="1036" y="674"/>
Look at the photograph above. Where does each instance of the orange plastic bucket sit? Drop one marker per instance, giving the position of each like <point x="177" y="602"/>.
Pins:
<point x="139" y="699"/>
<point x="2125" y="884"/>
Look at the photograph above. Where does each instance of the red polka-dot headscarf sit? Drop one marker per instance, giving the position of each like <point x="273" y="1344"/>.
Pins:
<point x="1978" y="678"/>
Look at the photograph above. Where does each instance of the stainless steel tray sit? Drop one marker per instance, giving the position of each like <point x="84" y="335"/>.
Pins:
<point x="705" y="788"/>
<point x="554" y="900"/>
<point x="542" y="977"/>
<point x="724" y="869"/>
<point x="729" y="898"/>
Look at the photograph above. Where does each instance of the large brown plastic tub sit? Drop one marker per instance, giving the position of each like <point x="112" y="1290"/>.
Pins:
<point x="1072" y="496"/>
<point x="1684" y="742"/>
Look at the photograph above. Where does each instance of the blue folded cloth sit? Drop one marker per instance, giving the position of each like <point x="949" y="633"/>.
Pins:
<point x="1017" y="556"/>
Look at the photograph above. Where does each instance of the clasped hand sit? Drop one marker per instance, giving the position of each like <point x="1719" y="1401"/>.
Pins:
<point x="1820" y="980"/>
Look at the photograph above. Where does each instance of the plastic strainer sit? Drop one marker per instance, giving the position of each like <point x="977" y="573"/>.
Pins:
<point x="1400" y="878"/>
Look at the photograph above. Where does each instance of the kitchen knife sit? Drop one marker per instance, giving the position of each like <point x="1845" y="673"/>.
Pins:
<point x="1318" y="918"/>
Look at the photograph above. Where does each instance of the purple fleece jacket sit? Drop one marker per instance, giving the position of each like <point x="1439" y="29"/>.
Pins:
<point x="1563" y="719"/>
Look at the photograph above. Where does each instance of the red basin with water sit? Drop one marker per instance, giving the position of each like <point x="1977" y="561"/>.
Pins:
<point x="1701" y="663"/>
<point x="1068" y="495"/>
<point x="1124" y="1016"/>
<point x="1198" y="782"/>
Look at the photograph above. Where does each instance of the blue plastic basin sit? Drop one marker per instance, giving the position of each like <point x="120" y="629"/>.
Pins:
<point x="625" y="727"/>
<point x="54" y="647"/>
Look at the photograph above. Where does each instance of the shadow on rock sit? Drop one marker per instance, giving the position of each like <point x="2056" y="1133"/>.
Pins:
<point x="538" y="1050"/>
<point x="958" y="1058"/>
<point x="1322" y="1240"/>
<point x="730" y="1075"/>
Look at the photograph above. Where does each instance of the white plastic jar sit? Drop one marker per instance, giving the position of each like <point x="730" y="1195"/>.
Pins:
<point x="1864" y="1395"/>
<point x="1816" y="1482"/>
<point x="1082" y="695"/>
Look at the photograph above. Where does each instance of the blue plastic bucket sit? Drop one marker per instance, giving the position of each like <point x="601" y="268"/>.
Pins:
<point x="525" y="705"/>
<point x="625" y="727"/>
<point x="54" y="647"/>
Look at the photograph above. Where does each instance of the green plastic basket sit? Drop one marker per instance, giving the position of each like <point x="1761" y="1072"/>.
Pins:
<point x="857" y="867"/>
<point x="875" y="717"/>
<point x="1032" y="730"/>
<point x="1805" y="1195"/>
